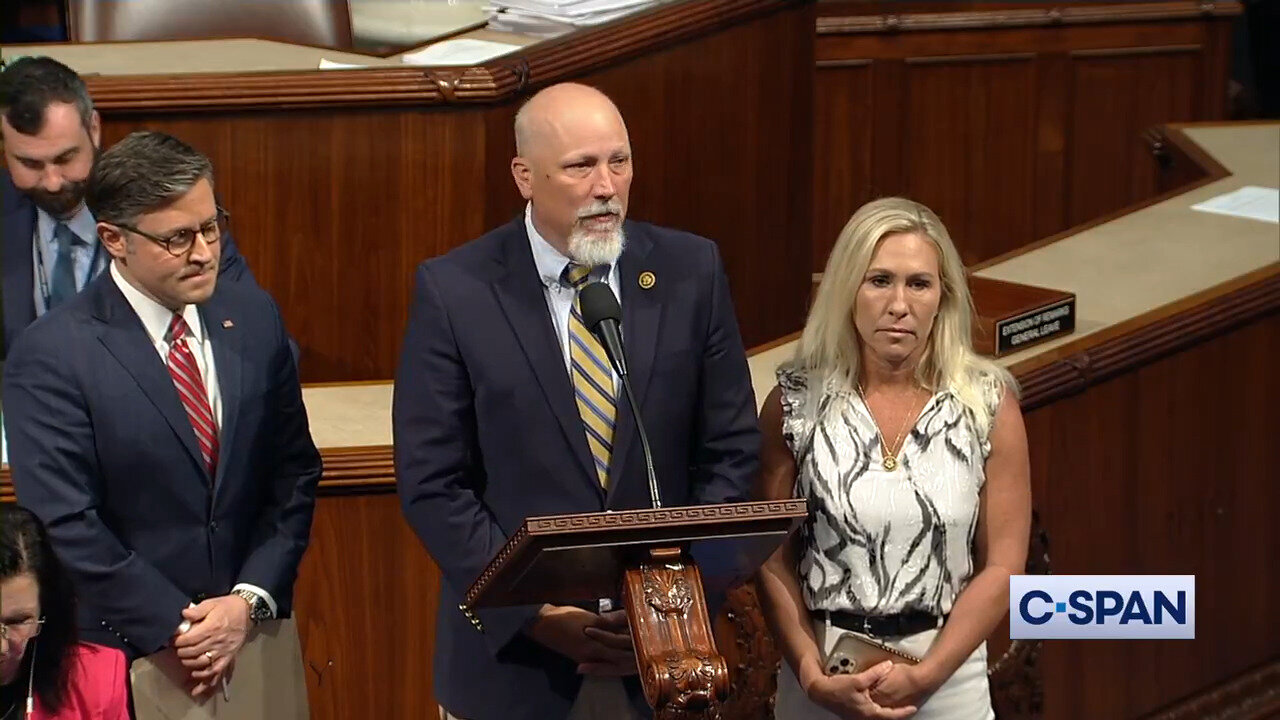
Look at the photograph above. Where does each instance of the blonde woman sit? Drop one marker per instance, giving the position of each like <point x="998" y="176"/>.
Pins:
<point x="911" y="451"/>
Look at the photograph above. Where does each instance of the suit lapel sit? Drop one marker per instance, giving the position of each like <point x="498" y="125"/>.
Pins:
<point x="641" y="316"/>
<point x="228" y="360"/>
<point x="19" y="268"/>
<point x="520" y="293"/>
<point x="126" y="339"/>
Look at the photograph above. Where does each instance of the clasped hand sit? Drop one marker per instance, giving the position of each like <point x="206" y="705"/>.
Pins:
<point x="886" y="691"/>
<point x="219" y="627"/>
<point x="599" y="643"/>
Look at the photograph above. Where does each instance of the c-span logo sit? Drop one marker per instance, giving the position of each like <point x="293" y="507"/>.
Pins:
<point x="1102" y="607"/>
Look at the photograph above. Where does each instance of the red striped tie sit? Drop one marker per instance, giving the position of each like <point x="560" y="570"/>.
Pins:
<point x="186" y="378"/>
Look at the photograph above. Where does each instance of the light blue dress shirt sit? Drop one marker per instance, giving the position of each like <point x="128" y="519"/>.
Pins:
<point x="45" y="248"/>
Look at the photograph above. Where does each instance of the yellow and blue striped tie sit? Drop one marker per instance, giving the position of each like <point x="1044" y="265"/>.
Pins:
<point x="592" y="379"/>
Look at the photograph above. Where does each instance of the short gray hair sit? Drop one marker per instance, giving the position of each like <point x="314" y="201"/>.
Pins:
<point x="142" y="173"/>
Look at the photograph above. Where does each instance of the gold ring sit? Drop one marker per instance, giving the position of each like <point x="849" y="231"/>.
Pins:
<point x="209" y="654"/>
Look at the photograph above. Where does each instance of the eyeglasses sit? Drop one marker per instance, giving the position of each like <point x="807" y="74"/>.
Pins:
<point x="26" y="629"/>
<point x="179" y="243"/>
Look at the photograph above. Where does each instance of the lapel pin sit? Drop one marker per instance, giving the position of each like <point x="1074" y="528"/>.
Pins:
<point x="647" y="280"/>
<point x="228" y="324"/>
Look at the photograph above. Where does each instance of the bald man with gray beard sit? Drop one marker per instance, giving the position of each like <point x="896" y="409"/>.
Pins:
<point x="506" y="408"/>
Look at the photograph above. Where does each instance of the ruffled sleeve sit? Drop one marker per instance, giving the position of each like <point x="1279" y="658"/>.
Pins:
<point x="796" y="423"/>
<point x="991" y="387"/>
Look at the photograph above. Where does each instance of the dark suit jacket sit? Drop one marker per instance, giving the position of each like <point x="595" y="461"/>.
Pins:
<point x="102" y="451"/>
<point x="18" y="226"/>
<point x="487" y="432"/>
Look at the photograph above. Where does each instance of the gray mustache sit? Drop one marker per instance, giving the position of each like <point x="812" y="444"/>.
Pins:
<point x="600" y="208"/>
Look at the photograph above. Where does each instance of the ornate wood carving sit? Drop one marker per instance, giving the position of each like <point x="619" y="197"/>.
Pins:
<point x="1040" y="17"/>
<point x="682" y="673"/>
<point x="748" y="647"/>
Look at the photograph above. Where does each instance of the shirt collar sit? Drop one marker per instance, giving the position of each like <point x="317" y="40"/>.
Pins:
<point x="82" y="224"/>
<point x="154" y="316"/>
<point x="550" y="261"/>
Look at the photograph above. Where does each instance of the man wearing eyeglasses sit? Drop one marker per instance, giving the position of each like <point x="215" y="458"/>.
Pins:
<point x="51" y="139"/>
<point x="156" y="424"/>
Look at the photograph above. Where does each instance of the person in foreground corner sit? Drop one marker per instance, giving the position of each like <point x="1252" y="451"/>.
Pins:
<point x="505" y="407"/>
<point x="156" y="425"/>
<point x="912" y="454"/>
<point x="45" y="672"/>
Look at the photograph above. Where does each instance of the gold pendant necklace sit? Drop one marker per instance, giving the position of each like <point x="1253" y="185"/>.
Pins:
<point x="890" y="456"/>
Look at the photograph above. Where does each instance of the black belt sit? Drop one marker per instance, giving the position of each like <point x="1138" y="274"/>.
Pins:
<point x="900" y="625"/>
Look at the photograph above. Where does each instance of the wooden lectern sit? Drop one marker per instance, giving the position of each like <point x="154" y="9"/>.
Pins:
<point x="657" y="561"/>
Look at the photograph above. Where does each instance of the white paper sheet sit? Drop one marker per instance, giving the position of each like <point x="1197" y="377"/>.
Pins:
<point x="1250" y="201"/>
<point x="460" y="51"/>
<point x="326" y="64"/>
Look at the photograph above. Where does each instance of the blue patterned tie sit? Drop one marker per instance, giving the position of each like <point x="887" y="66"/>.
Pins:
<point x="62" y="286"/>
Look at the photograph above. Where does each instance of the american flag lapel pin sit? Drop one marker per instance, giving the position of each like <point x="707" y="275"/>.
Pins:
<point x="228" y="324"/>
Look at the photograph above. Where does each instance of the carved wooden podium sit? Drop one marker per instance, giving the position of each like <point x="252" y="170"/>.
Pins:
<point x="656" y="561"/>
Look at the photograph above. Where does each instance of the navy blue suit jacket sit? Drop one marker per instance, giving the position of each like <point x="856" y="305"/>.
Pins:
<point x="102" y="451"/>
<point x="18" y="227"/>
<point x="487" y="433"/>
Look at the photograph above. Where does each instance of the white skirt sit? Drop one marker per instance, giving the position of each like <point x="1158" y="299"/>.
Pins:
<point x="964" y="696"/>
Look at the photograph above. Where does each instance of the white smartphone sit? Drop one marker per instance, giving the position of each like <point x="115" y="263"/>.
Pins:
<point x="855" y="653"/>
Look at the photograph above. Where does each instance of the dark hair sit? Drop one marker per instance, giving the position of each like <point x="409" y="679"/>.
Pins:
<point x="29" y="85"/>
<point x="143" y="173"/>
<point x="25" y="548"/>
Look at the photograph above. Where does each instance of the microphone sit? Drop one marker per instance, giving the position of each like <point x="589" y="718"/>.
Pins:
<point x="31" y="681"/>
<point x="603" y="317"/>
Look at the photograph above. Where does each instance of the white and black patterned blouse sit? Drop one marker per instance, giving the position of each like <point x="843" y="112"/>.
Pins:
<point x="881" y="542"/>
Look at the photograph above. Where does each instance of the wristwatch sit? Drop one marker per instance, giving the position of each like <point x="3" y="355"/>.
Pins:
<point x="258" y="608"/>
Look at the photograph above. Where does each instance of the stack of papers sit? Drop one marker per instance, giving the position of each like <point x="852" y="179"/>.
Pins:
<point x="553" y="17"/>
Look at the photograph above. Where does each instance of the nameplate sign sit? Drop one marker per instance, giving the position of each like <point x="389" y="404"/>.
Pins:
<point x="1036" y="326"/>
<point x="1010" y="316"/>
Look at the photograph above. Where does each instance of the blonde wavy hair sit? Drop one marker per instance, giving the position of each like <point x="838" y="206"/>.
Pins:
<point x="829" y="350"/>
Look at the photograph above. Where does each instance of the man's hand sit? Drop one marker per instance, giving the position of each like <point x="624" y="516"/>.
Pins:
<point x="219" y="627"/>
<point x="600" y="644"/>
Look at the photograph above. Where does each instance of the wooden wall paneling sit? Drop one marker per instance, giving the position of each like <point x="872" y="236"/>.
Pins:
<point x="1065" y="152"/>
<point x="367" y="593"/>
<point x="1215" y="76"/>
<point x="844" y="117"/>
<point x="1163" y="471"/>
<point x="970" y="147"/>
<point x="721" y="136"/>
<point x="1117" y="94"/>
<point x="334" y="209"/>
<point x="977" y="39"/>
<point x="1053" y="97"/>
